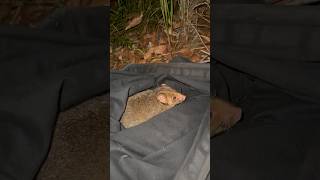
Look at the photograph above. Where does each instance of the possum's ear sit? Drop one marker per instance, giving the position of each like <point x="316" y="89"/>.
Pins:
<point x="181" y="97"/>
<point x="162" y="98"/>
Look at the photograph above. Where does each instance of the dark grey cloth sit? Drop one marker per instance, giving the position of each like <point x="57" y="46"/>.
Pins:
<point x="268" y="64"/>
<point x="172" y="145"/>
<point x="43" y="72"/>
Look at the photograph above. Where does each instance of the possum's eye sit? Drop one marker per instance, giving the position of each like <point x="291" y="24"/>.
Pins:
<point x="174" y="97"/>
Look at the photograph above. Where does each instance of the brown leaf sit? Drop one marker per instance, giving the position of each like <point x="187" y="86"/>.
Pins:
<point x="134" y="22"/>
<point x="195" y="58"/>
<point x="186" y="52"/>
<point x="148" y="54"/>
<point x="161" y="49"/>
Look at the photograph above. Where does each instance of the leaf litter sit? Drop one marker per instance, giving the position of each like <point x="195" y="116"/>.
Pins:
<point x="189" y="36"/>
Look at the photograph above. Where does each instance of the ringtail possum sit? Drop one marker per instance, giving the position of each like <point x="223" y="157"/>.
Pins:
<point x="149" y="103"/>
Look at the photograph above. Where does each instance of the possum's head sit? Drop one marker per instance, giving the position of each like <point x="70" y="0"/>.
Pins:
<point x="168" y="96"/>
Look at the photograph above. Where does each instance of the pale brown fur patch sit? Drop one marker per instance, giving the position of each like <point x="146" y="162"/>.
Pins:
<point x="149" y="103"/>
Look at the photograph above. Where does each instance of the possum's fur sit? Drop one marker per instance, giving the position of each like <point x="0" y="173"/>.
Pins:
<point x="149" y="103"/>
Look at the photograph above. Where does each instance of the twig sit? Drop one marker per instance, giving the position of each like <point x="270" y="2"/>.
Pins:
<point x="200" y="37"/>
<point x="201" y="4"/>
<point x="205" y="52"/>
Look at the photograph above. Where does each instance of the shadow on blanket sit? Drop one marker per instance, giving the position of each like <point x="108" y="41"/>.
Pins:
<point x="79" y="146"/>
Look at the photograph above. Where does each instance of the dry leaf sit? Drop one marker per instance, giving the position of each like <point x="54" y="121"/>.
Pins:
<point x="195" y="58"/>
<point x="162" y="49"/>
<point x="147" y="55"/>
<point x="186" y="52"/>
<point x="134" y="22"/>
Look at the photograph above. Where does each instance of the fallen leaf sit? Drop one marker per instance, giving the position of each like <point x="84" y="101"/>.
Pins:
<point x="134" y="22"/>
<point x="195" y="58"/>
<point x="148" y="55"/>
<point x="161" y="49"/>
<point x="186" y="52"/>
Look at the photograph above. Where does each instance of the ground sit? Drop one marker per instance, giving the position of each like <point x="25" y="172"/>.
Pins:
<point x="141" y="34"/>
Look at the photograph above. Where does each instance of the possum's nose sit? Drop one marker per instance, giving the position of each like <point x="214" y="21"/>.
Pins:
<point x="182" y="98"/>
